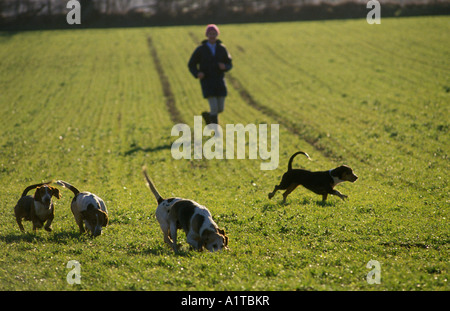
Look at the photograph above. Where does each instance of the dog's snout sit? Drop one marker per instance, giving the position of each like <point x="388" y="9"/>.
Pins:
<point x="97" y="231"/>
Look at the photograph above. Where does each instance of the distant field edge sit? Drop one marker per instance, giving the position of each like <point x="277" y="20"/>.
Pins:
<point x="306" y="12"/>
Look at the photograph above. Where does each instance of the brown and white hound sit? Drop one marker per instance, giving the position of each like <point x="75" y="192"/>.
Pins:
<point x="39" y="208"/>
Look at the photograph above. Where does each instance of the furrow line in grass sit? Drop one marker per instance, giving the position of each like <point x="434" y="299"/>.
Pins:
<point x="303" y="71"/>
<point x="295" y="129"/>
<point x="397" y="54"/>
<point x="175" y="114"/>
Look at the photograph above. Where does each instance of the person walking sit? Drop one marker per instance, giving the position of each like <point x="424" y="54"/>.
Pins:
<point x="208" y="63"/>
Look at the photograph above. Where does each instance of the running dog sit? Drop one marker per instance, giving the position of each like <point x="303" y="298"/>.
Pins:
<point x="88" y="209"/>
<point x="195" y="219"/>
<point x="38" y="208"/>
<point x="318" y="182"/>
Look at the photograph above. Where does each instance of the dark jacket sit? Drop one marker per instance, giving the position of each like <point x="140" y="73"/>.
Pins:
<point x="202" y="60"/>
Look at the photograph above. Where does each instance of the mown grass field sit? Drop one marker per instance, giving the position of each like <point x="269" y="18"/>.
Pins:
<point x="89" y="107"/>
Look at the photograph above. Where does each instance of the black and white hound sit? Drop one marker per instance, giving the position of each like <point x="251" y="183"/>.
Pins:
<point x="88" y="209"/>
<point x="195" y="219"/>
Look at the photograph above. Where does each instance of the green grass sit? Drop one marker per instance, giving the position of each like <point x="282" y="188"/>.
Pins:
<point x="87" y="106"/>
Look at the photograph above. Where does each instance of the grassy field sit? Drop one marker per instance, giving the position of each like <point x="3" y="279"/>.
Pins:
<point x="92" y="106"/>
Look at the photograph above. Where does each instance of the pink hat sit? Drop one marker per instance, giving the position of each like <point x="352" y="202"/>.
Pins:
<point x="212" y="27"/>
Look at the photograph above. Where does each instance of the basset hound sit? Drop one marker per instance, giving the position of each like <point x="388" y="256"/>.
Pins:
<point x="39" y="208"/>
<point x="195" y="219"/>
<point x="88" y="209"/>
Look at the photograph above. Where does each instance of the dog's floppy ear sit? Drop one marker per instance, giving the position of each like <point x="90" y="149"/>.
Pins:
<point x="105" y="218"/>
<point x="55" y="192"/>
<point x="225" y="242"/>
<point x="225" y="237"/>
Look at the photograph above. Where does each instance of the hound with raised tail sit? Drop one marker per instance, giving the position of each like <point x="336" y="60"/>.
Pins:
<point x="38" y="208"/>
<point x="88" y="209"/>
<point x="195" y="219"/>
<point x="318" y="182"/>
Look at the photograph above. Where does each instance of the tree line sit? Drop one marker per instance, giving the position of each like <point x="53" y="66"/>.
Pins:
<point x="111" y="13"/>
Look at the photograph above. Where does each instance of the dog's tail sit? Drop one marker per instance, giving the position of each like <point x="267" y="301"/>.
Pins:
<point x="152" y="186"/>
<point x="24" y="193"/>
<point x="68" y="186"/>
<point x="293" y="156"/>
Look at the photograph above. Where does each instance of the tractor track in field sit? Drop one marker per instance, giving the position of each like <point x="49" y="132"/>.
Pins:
<point x="294" y="128"/>
<point x="175" y="114"/>
<point x="290" y="126"/>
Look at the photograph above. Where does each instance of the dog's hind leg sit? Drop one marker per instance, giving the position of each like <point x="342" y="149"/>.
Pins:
<point x="173" y="235"/>
<point x="80" y="225"/>
<point x="288" y="191"/>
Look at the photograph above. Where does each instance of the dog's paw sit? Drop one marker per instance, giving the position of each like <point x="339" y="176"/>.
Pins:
<point x="270" y="195"/>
